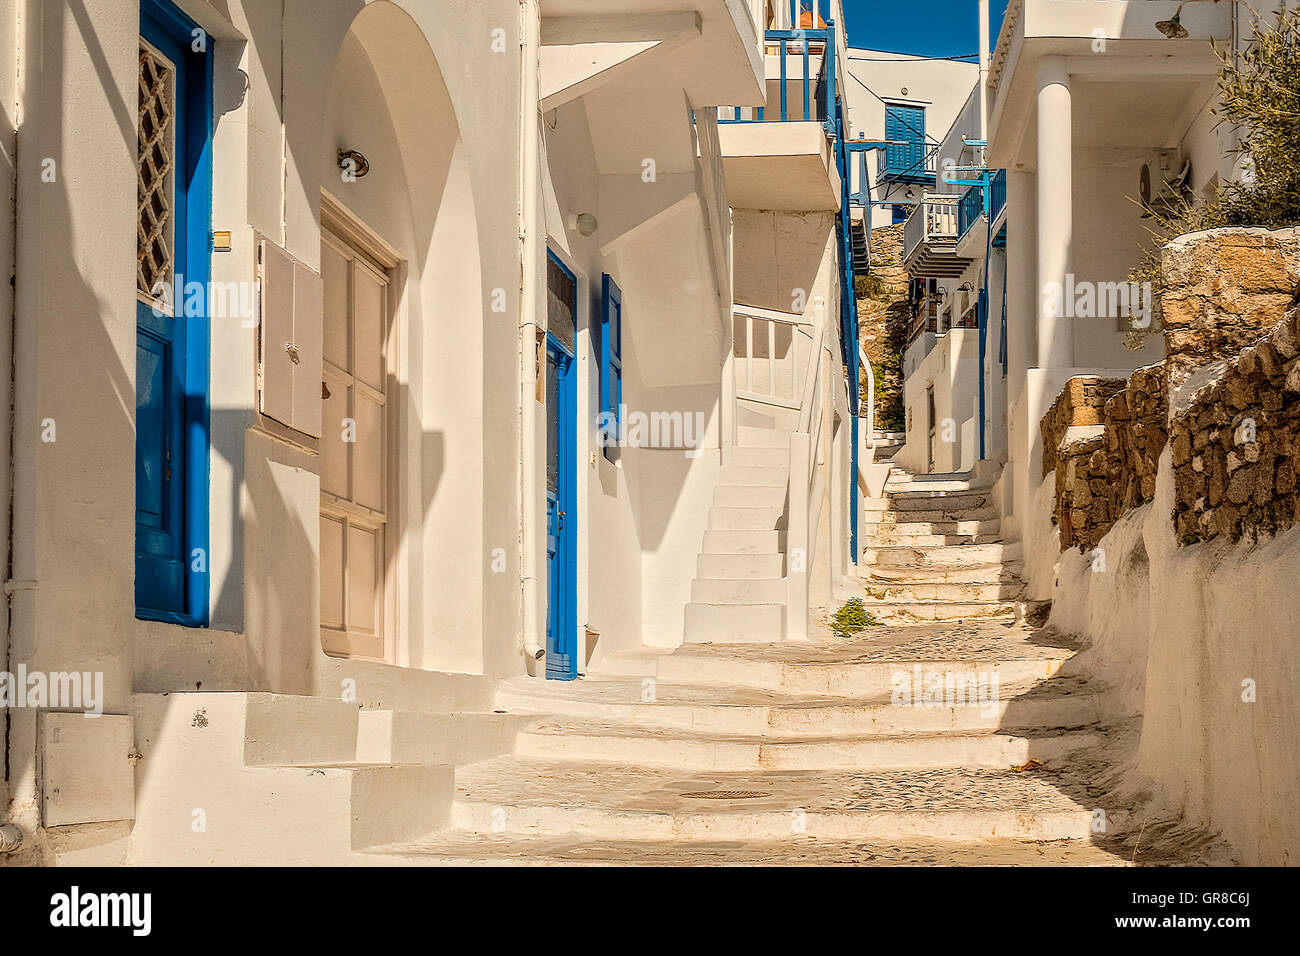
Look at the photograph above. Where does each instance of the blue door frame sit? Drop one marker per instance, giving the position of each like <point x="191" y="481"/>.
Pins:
<point x="561" y="506"/>
<point x="172" y="351"/>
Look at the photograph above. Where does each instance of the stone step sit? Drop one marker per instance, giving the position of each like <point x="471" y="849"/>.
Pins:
<point x="989" y="526"/>
<point x="776" y="457"/>
<point x="858" y="680"/>
<point x="745" y="519"/>
<point x="928" y="501"/>
<point x="740" y="496"/>
<point x="740" y="565"/>
<point x="956" y="592"/>
<point x="739" y="590"/>
<point x="459" y="848"/>
<point x="742" y="542"/>
<point x="734" y="624"/>
<point x="889" y="539"/>
<point x="586" y="741"/>
<point x="906" y="612"/>
<point x="1036" y="705"/>
<point x="947" y="556"/>
<point x="748" y="436"/>
<point x="873" y="514"/>
<point x="531" y="797"/>
<point x="745" y="476"/>
<point x="902" y="575"/>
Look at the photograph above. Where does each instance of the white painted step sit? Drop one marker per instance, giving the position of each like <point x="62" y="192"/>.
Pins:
<point x="739" y="590"/>
<point x="778" y="457"/>
<point x="711" y="709"/>
<point x="887" y="539"/>
<point x="745" y="476"/>
<point x="750" y="437"/>
<point x="740" y="565"/>
<point x="406" y="737"/>
<point x="557" y="740"/>
<point x="930" y="501"/>
<point x="858" y="680"/>
<point x="458" y="848"/>
<point x="738" y="496"/>
<point x="734" y="624"/>
<point x="745" y="519"/>
<point x="530" y="797"/>
<point x="742" y="542"/>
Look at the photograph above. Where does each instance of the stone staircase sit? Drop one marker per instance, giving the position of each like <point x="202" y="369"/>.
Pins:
<point x="932" y="551"/>
<point x="739" y="592"/>
<point x="805" y="753"/>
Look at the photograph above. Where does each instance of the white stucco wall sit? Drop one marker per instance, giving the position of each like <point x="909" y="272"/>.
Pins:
<point x="1175" y="633"/>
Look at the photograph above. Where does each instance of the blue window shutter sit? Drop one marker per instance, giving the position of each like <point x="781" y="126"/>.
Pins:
<point x="905" y="124"/>
<point x="172" y="352"/>
<point x="611" y="359"/>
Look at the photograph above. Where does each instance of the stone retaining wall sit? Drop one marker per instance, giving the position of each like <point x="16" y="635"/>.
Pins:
<point x="1236" y="446"/>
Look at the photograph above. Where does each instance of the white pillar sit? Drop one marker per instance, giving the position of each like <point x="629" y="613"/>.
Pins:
<point x="1055" y="209"/>
<point x="1022" y="281"/>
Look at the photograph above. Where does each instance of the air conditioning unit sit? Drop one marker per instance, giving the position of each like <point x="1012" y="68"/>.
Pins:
<point x="1166" y="183"/>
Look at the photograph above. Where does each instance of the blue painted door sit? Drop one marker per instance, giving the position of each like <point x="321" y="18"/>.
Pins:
<point x="171" y="464"/>
<point x="561" y="548"/>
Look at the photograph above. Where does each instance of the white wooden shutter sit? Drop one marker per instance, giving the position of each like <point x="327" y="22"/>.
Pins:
<point x="289" y="347"/>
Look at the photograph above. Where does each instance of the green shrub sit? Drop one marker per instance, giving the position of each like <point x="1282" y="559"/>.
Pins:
<point x="852" y="618"/>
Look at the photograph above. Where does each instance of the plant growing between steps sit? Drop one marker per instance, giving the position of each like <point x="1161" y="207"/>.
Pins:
<point x="852" y="618"/>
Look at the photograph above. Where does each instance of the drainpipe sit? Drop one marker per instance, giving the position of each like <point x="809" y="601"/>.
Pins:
<point x="529" y="130"/>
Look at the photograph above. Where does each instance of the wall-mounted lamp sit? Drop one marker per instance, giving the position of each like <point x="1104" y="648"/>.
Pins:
<point x="910" y="194"/>
<point x="353" y="164"/>
<point x="585" y="223"/>
<point x="1174" y="28"/>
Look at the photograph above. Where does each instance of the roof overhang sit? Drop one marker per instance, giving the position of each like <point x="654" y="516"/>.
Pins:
<point x="710" y="48"/>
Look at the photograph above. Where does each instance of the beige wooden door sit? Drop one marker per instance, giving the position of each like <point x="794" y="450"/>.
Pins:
<point x="354" y="526"/>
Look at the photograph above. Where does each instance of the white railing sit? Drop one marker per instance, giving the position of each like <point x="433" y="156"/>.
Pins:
<point x="805" y="488"/>
<point x="867" y="435"/>
<point x="771" y="378"/>
<point x="935" y="217"/>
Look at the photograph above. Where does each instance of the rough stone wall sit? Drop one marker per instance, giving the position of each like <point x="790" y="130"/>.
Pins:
<point x="1106" y="469"/>
<point x="1081" y="403"/>
<point x="1223" y="289"/>
<point x="1237" y="445"/>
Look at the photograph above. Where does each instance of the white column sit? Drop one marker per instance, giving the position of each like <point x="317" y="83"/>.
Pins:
<point x="1055" y="209"/>
<point x="1022" y="281"/>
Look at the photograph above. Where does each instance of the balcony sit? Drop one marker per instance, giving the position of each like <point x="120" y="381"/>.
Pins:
<point x="930" y="239"/>
<point x="975" y="212"/>
<point x="780" y="156"/>
<point x="907" y="163"/>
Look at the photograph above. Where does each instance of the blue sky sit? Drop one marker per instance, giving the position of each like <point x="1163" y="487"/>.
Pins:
<point x="923" y="27"/>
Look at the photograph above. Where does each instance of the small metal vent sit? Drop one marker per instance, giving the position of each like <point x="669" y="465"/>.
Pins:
<point x="726" y="794"/>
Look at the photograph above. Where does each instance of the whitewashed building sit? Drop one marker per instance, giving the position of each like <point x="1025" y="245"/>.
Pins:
<point x="366" y="354"/>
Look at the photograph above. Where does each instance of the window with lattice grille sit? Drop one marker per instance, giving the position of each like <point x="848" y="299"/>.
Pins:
<point x="154" y="176"/>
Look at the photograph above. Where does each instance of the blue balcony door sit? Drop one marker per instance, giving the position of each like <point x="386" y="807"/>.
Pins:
<point x="174" y="208"/>
<point x="905" y="125"/>
<point x="561" y="515"/>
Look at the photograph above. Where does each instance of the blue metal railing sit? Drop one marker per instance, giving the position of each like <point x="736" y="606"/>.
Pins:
<point x="969" y="209"/>
<point x="997" y="193"/>
<point x="987" y="199"/>
<point x="910" y="160"/>
<point x="813" y="89"/>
